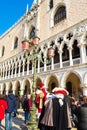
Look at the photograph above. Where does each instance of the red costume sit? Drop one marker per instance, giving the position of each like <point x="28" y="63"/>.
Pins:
<point x="3" y="107"/>
<point x="40" y="98"/>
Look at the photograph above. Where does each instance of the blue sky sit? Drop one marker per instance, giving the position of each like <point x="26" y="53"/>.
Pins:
<point x="11" y="11"/>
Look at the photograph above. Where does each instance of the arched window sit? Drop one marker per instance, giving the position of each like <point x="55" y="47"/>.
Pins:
<point x="60" y="14"/>
<point x="51" y="4"/>
<point x="16" y="43"/>
<point x="32" y="33"/>
<point x="56" y="56"/>
<point x="65" y="54"/>
<point x="3" y="50"/>
<point x="75" y="51"/>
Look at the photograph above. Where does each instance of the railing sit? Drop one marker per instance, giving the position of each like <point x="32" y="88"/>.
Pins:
<point x="76" y="61"/>
<point x="57" y="65"/>
<point x="66" y="63"/>
<point x="41" y="69"/>
<point x="48" y="67"/>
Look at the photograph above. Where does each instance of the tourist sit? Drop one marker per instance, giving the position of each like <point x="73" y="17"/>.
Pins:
<point x="81" y="113"/>
<point x="27" y="104"/>
<point x="3" y="107"/>
<point x="11" y="100"/>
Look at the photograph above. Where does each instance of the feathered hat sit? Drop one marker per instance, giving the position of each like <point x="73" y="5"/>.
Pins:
<point x="57" y="90"/>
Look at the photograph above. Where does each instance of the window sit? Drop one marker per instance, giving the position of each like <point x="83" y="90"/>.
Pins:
<point x="3" y="50"/>
<point x="32" y="33"/>
<point x="51" y="4"/>
<point x="16" y="43"/>
<point x="75" y="51"/>
<point x="65" y="54"/>
<point x="60" y="14"/>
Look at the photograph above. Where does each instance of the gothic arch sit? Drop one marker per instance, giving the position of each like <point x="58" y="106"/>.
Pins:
<point x="65" y="76"/>
<point x="26" y="86"/>
<point x="71" y="81"/>
<point x="9" y="86"/>
<point x="51" y="82"/>
<point x="16" y="87"/>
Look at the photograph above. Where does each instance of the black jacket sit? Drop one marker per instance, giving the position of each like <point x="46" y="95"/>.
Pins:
<point x="81" y="113"/>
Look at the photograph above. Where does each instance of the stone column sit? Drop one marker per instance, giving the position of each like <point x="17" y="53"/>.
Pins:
<point x="38" y="66"/>
<point x="23" y="66"/>
<point x="15" y="69"/>
<point x="84" y="88"/>
<point x="6" y="92"/>
<point x="82" y="53"/>
<point x="19" y="68"/>
<point x="27" y="67"/>
<point x="7" y="88"/>
<point x="14" y="92"/>
<point x="45" y="67"/>
<point x="6" y="72"/>
<point x="70" y="56"/>
<point x="52" y="67"/>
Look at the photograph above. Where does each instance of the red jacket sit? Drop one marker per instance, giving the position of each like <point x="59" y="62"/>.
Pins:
<point x="3" y="107"/>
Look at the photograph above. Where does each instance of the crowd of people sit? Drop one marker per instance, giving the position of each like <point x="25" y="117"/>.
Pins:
<point x="55" y="111"/>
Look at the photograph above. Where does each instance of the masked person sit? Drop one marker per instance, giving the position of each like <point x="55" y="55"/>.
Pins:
<point x="56" y="112"/>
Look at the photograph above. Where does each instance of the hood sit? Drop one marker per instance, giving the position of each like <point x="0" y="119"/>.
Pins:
<point x="11" y="96"/>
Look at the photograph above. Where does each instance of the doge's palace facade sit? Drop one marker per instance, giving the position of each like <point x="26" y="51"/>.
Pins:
<point x="59" y="23"/>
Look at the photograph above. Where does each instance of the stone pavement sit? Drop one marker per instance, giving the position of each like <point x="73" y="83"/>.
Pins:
<point x="18" y="122"/>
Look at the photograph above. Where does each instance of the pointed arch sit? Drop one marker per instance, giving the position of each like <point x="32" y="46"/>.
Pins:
<point x="60" y="14"/>
<point x="26" y="86"/>
<point x="3" y="50"/>
<point x="32" y="32"/>
<point x="51" y="82"/>
<point x="76" y="50"/>
<point x="65" y="54"/>
<point x="15" y="42"/>
<point x="72" y="80"/>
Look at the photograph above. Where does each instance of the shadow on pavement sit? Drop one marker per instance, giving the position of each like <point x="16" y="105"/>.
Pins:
<point x="23" y="127"/>
<point x="15" y="128"/>
<point x="2" y="127"/>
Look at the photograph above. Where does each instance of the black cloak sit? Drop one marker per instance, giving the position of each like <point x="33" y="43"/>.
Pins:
<point x="56" y="113"/>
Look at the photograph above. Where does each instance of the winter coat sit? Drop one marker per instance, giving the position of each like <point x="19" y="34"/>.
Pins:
<point x="27" y="105"/>
<point x="3" y="107"/>
<point x="11" y="100"/>
<point x="81" y="113"/>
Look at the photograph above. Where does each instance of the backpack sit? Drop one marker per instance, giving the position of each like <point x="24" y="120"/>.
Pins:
<point x="11" y="100"/>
